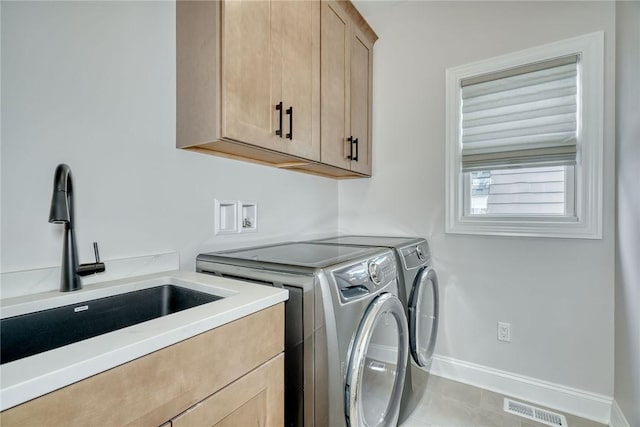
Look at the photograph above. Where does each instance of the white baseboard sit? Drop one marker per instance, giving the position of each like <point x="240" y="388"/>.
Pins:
<point x="617" y="417"/>
<point x="592" y="406"/>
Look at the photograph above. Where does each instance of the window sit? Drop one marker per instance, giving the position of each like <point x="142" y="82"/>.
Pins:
<point x="524" y="142"/>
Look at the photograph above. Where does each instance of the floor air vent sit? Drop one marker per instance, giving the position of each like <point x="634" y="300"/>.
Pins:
<point x="533" y="413"/>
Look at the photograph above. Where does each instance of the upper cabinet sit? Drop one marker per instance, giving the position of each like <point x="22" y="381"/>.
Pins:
<point x="270" y="78"/>
<point x="249" y="77"/>
<point x="346" y="79"/>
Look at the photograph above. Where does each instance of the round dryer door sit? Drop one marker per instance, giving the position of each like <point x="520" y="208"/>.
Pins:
<point x="423" y="316"/>
<point x="377" y="365"/>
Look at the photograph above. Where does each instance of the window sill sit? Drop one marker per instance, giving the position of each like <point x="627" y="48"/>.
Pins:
<point x="539" y="227"/>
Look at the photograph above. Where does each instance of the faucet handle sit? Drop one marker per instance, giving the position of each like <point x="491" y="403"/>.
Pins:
<point x="92" y="267"/>
<point x="95" y="251"/>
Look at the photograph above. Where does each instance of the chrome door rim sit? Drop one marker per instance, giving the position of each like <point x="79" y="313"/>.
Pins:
<point x="425" y="275"/>
<point x="353" y="386"/>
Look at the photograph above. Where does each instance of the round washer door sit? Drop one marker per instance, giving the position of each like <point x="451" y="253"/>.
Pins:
<point x="423" y="316"/>
<point x="377" y="365"/>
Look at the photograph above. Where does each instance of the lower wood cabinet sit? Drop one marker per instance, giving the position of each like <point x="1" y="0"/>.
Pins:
<point x="257" y="399"/>
<point x="229" y="376"/>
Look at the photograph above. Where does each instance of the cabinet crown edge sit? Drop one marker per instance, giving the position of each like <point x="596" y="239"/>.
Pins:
<point x="358" y="19"/>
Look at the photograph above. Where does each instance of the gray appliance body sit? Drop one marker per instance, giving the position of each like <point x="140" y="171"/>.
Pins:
<point x="334" y="293"/>
<point x="418" y="286"/>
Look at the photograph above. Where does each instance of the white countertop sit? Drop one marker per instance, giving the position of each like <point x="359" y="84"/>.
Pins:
<point x="33" y="376"/>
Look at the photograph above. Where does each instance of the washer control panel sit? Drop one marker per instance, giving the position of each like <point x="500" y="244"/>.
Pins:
<point x="365" y="277"/>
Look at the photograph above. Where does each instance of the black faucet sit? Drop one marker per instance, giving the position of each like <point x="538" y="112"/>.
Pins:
<point x="62" y="213"/>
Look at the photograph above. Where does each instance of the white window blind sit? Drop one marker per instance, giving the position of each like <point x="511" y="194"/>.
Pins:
<point x="521" y="117"/>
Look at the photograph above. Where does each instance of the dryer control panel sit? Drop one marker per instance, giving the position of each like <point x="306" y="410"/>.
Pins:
<point x="416" y="255"/>
<point x="365" y="277"/>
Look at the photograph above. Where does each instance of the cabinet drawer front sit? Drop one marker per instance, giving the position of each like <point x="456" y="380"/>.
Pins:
<point x="255" y="399"/>
<point x="154" y="388"/>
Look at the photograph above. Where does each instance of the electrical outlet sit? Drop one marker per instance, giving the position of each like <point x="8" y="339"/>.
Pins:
<point x="504" y="332"/>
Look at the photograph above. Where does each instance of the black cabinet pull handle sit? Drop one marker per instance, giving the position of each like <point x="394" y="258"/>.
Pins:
<point x="350" y="141"/>
<point x="355" y="141"/>
<point x="290" y="113"/>
<point x="279" y="130"/>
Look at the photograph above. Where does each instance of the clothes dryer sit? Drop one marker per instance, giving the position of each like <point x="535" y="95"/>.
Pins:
<point x="346" y="335"/>
<point x="418" y="291"/>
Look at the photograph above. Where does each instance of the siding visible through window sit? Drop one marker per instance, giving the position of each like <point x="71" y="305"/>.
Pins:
<point x="526" y="191"/>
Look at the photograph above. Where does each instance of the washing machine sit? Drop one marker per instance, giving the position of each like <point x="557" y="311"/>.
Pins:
<point x="418" y="291"/>
<point x="346" y="334"/>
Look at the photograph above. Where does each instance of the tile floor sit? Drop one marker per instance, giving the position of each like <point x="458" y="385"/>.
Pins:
<point x="449" y="403"/>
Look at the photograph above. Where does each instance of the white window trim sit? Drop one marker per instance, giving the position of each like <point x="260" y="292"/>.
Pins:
<point x="588" y="170"/>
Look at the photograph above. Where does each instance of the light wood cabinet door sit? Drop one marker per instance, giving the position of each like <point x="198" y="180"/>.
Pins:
<point x="271" y="55"/>
<point x="335" y="76"/>
<point x="257" y="399"/>
<point x="360" y="106"/>
<point x="251" y="77"/>
<point x="296" y="26"/>
<point x="346" y="79"/>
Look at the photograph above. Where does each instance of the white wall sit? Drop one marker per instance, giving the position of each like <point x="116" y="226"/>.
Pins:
<point x="556" y="293"/>
<point x="92" y="84"/>
<point x="627" y="348"/>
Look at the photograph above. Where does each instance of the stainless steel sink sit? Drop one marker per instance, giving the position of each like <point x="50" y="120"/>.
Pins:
<point x="28" y="334"/>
